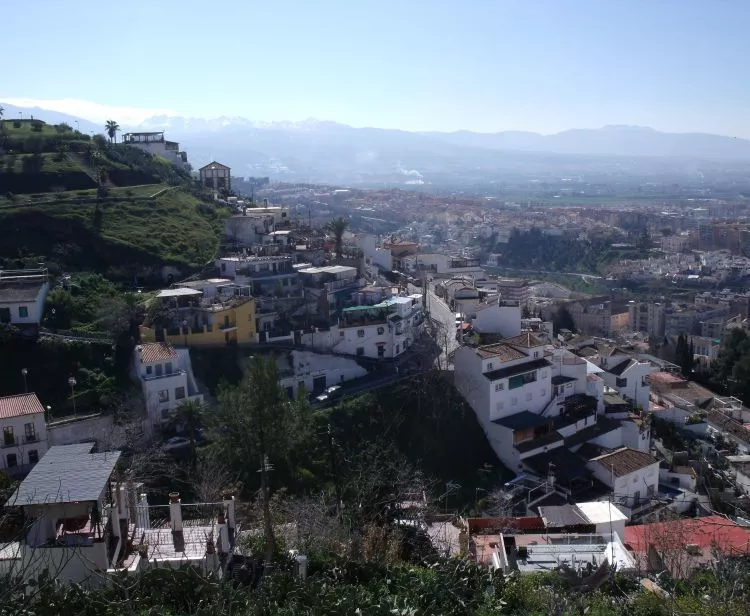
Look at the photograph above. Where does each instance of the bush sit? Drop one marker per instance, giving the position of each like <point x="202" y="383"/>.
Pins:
<point x="16" y="124"/>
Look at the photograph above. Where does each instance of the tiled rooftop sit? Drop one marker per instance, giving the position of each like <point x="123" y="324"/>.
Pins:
<point x="501" y="351"/>
<point x="525" y="340"/>
<point x="157" y="351"/>
<point x="22" y="404"/>
<point x="625" y="461"/>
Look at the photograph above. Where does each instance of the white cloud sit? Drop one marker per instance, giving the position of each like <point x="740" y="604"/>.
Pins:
<point x="92" y="111"/>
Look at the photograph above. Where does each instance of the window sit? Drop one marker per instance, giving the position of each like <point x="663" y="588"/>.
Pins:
<point x="149" y="369"/>
<point x="489" y="365"/>
<point x="381" y="331"/>
<point x="29" y="430"/>
<point x="33" y="456"/>
<point x="159" y="369"/>
<point x="619" y="382"/>
<point x="12" y="460"/>
<point x="361" y="333"/>
<point x="499" y="386"/>
<point x="528" y="397"/>
<point x="636" y="498"/>
<point x="179" y="393"/>
<point x="23" y="312"/>
<point x="164" y="395"/>
<point x="360" y="351"/>
<point x="397" y="349"/>
<point x="536" y="354"/>
<point x="8" y="438"/>
<point x="168" y="368"/>
<point x="521" y="379"/>
<point x="341" y="333"/>
<point x="650" y="490"/>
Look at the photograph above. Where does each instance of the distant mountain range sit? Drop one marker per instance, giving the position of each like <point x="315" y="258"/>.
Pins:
<point x="318" y="151"/>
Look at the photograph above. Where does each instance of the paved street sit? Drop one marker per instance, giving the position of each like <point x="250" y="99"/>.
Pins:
<point x="445" y="320"/>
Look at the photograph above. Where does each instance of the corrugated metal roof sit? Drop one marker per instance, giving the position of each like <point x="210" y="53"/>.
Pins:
<point x="22" y="404"/>
<point x="156" y="351"/>
<point x="66" y="474"/>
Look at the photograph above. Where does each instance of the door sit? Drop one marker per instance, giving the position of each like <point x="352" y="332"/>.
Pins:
<point x="319" y="384"/>
<point x="4" y="315"/>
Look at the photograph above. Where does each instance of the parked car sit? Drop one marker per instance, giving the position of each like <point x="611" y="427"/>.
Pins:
<point x="329" y="394"/>
<point x="174" y="443"/>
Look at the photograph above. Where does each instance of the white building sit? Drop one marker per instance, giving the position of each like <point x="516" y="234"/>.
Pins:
<point x="632" y="475"/>
<point x="498" y="317"/>
<point x="442" y="266"/>
<point x="155" y="144"/>
<point x="628" y="376"/>
<point x="315" y="371"/>
<point x="22" y="296"/>
<point x="264" y="275"/>
<point x="385" y="330"/>
<point x="24" y="432"/>
<point x="166" y="378"/>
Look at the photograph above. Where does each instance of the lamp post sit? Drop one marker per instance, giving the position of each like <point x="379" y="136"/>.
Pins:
<point x="24" y="372"/>
<point x="72" y="383"/>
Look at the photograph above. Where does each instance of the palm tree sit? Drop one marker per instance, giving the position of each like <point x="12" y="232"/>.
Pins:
<point x="112" y="127"/>
<point x="337" y="226"/>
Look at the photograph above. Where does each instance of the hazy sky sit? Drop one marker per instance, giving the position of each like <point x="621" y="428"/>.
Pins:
<point x="485" y="65"/>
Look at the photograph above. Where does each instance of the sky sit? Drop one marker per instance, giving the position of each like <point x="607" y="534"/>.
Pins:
<point x="482" y="65"/>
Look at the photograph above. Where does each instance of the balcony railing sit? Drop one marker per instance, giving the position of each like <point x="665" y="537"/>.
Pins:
<point x="153" y="377"/>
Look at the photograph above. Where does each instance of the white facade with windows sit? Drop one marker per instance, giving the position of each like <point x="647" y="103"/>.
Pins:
<point x="166" y="378"/>
<point x="629" y="377"/>
<point x="24" y="433"/>
<point x="383" y="331"/>
<point x="632" y="475"/>
<point x="22" y="296"/>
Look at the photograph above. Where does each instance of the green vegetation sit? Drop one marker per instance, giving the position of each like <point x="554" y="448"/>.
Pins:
<point x="730" y="373"/>
<point x="97" y="326"/>
<point x="87" y="204"/>
<point x="532" y="249"/>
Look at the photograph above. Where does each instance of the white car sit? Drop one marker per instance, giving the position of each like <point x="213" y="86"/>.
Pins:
<point x="176" y="442"/>
<point x="331" y="392"/>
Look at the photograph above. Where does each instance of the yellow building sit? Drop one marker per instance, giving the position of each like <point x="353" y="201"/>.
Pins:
<point x="214" y="323"/>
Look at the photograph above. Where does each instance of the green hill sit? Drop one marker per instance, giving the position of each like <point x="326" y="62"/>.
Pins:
<point x="86" y="204"/>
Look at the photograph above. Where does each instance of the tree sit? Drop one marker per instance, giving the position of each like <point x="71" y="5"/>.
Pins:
<point x="112" y="127"/>
<point x="684" y="355"/>
<point x="562" y="319"/>
<point x="2" y="111"/>
<point x="259" y="424"/>
<point x="189" y="417"/>
<point x="337" y="227"/>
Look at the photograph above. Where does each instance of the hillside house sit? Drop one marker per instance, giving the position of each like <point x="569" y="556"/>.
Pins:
<point x="24" y="427"/>
<point x="155" y="144"/>
<point x="166" y="378"/>
<point x="633" y="476"/>
<point x="215" y="176"/>
<point x="22" y="297"/>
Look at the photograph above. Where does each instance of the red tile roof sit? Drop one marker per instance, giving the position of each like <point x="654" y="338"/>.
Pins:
<point x="525" y="340"/>
<point x="625" y="461"/>
<point x="706" y="532"/>
<point x="157" y="351"/>
<point x="22" y="404"/>
<point x="501" y="351"/>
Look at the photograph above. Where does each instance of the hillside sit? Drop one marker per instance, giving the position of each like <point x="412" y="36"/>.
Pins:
<point x="83" y="203"/>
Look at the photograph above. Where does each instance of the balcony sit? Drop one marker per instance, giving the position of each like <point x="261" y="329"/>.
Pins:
<point x="31" y="438"/>
<point x="154" y="377"/>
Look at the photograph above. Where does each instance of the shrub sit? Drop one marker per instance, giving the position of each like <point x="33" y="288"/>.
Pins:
<point x="16" y="124"/>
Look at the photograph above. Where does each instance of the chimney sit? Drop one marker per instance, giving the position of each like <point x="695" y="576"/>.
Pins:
<point x="175" y="512"/>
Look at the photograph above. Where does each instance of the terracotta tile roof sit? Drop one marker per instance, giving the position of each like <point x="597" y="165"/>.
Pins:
<point x="501" y="351"/>
<point x="157" y="351"/>
<point x="729" y="425"/>
<point x="707" y="532"/>
<point x="22" y="404"/>
<point x="525" y="340"/>
<point x="625" y="461"/>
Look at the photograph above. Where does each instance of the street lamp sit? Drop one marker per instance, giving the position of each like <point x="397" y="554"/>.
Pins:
<point x="24" y="372"/>
<point x="72" y="383"/>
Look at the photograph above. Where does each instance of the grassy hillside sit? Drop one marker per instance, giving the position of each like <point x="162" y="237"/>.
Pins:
<point x="86" y="204"/>
<point x="174" y="228"/>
